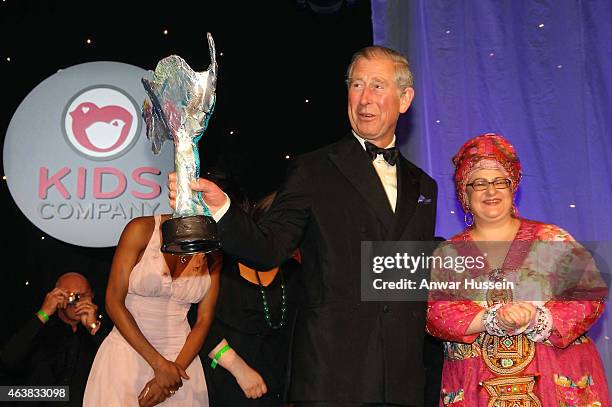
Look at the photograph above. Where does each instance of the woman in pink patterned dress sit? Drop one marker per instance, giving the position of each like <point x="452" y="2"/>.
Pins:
<point x="151" y="355"/>
<point x="503" y="348"/>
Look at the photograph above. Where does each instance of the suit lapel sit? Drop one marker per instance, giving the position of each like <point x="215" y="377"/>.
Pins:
<point x="408" y="188"/>
<point x="353" y="162"/>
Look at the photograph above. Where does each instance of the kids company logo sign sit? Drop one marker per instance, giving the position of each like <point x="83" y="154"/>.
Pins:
<point x="76" y="159"/>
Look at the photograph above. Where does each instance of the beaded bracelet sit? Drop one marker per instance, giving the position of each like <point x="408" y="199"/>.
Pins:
<point x="490" y="322"/>
<point x="541" y="328"/>
<point x="218" y="355"/>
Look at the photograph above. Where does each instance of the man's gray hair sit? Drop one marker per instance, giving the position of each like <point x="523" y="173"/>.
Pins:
<point x="403" y="75"/>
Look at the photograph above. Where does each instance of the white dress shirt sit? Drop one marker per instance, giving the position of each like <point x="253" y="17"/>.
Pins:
<point x="386" y="172"/>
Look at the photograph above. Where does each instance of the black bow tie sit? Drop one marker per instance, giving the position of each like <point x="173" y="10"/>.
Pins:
<point x="389" y="154"/>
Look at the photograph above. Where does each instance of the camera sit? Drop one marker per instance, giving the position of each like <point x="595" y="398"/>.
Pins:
<point x="73" y="298"/>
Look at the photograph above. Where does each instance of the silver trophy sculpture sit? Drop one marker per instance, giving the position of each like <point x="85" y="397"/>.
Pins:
<point x="181" y="103"/>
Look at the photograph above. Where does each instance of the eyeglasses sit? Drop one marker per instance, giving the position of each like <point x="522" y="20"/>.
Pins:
<point x="481" y="184"/>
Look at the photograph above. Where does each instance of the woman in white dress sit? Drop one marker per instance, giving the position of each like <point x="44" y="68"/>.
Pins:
<point x="150" y="357"/>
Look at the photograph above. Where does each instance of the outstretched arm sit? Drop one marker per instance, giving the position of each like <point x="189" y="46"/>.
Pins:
<point x="271" y="241"/>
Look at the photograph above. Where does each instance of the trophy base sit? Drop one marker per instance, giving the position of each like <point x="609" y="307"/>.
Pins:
<point x="190" y="235"/>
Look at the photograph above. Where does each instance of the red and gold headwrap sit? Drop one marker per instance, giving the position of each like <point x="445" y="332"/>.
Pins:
<point x="487" y="151"/>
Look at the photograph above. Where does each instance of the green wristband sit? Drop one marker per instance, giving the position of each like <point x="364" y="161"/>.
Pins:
<point x="218" y="355"/>
<point x="42" y="314"/>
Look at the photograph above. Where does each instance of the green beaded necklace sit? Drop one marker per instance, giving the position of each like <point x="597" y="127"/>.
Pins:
<point x="267" y="307"/>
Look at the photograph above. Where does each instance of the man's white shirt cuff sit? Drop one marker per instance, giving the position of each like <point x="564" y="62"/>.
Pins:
<point x="219" y="214"/>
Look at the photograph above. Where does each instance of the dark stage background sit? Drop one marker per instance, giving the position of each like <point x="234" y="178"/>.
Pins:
<point x="280" y="91"/>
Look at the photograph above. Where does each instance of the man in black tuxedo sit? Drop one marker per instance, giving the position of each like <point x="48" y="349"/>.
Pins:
<point x="346" y="352"/>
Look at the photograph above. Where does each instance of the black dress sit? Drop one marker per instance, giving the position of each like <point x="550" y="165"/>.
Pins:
<point x="239" y="318"/>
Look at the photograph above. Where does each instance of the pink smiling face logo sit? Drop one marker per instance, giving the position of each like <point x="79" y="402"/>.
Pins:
<point x="101" y="123"/>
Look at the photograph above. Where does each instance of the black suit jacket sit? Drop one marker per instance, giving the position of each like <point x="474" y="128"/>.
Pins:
<point x="331" y="200"/>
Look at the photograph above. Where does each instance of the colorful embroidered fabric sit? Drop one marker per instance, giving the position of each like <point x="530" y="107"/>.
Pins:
<point x="477" y="153"/>
<point x="454" y="399"/>
<point x="464" y="366"/>
<point x="576" y="394"/>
